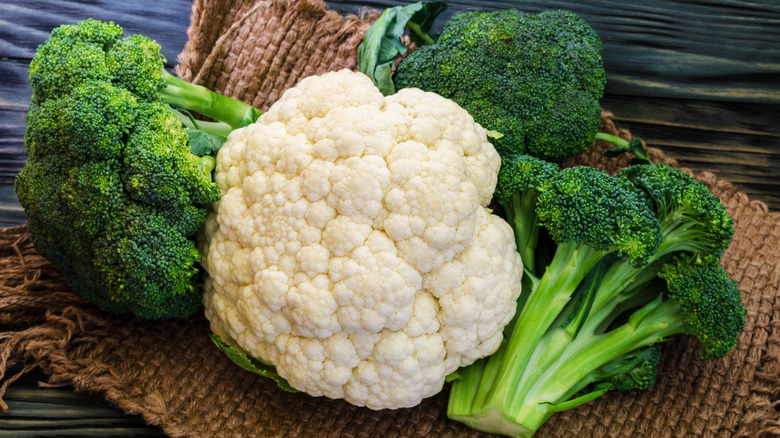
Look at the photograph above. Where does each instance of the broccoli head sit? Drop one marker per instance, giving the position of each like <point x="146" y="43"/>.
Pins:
<point x="587" y="207"/>
<point x="692" y="218"/>
<point x="534" y="78"/>
<point x="635" y="262"/>
<point x="710" y="302"/>
<point x="112" y="193"/>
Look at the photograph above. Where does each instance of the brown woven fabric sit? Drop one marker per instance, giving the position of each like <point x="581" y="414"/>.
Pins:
<point x="253" y="50"/>
<point x="170" y="373"/>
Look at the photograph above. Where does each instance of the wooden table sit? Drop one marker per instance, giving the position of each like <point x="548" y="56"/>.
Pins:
<point x="699" y="80"/>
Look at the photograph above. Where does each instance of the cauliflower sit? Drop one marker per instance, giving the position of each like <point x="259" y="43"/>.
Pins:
<point x="351" y="248"/>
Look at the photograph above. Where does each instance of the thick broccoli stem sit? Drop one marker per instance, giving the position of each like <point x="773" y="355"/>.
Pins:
<point x="220" y="129"/>
<point x="552" y="384"/>
<point x="571" y="263"/>
<point x="522" y="399"/>
<point x="185" y="95"/>
<point x="520" y="212"/>
<point x="622" y="278"/>
<point x="569" y="266"/>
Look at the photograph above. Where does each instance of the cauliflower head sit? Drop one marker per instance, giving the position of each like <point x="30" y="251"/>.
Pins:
<point x="351" y="248"/>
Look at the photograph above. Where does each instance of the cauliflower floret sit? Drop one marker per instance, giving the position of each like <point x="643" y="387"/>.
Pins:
<point x="352" y="248"/>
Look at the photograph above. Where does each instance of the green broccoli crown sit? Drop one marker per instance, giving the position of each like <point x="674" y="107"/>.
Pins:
<point x="692" y="218"/>
<point x="112" y="193"/>
<point x="586" y="205"/>
<point x="521" y="173"/>
<point x="710" y="302"/>
<point x="535" y="78"/>
<point x="72" y="55"/>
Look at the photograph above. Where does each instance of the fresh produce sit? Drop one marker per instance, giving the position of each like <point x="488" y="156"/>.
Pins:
<point x="112" y="194"/>
<point x="633" y="261"/>
<point x="533" y="79"/>
<point x="348" y="233"/>
<point x="351" y="251"/>
<point x="520" y="181"/>
<point x="382" y="44"/>
<point x="613" y="265"/>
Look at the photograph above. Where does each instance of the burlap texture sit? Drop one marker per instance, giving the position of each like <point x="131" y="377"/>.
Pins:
<point x="170" y="373"/>
<point x="253" y="50"/>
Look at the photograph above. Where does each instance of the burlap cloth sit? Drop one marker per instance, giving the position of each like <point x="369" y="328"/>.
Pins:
<point x="170" y="372"/>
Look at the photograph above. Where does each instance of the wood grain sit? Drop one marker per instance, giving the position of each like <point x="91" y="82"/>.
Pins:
<point x="58" y="412"/>
<point x="701" y="80"/>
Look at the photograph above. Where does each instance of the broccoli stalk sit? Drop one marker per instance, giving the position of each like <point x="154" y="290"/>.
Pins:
<point x="520" y="180"/>
<point x="635" y="262"/>
<point x="118" y="176"/>
<point x="634" y="147"/>
<point x="230" y="113"/>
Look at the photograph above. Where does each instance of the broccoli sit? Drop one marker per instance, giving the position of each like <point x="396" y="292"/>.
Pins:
<point x="112" y="192"/>
<point x="634" y="262"/>
<point x="691" y="217"/>
<point x="536" y="79"/>
<point x="521" y="178"/>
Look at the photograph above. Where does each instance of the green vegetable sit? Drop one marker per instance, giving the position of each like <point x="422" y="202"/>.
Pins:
<point x="534" y="78"/>
<point x="520" y="180"/>
<point x="634" y="262"/>
<point x="112" y="192"/>
<point x="382" y="41"/>
<point x="252" y="364"/>
<point x="633" y="147"/>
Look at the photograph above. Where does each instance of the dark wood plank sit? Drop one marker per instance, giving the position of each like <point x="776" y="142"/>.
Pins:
<point x="32" y="21"/>
<point x="14" y="98"/>
<point x="48" y="412"/>
<point x="738" y="142"/>
<point x="11" y="213"/>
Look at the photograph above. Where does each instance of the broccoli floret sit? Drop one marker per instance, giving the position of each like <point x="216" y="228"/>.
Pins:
<point x="520" y="180"/>
<point x="692" y="219"/>
<point x="710" y="303"/>
<point x="112" y="192"/>
<point x="534" y="78"/>
<point x="635" y="262"/>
